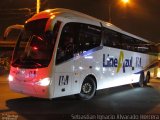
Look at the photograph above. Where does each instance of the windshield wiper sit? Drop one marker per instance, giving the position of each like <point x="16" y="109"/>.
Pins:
<point x="36" y="64"/>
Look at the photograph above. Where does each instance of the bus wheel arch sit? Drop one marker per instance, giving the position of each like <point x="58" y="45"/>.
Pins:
<point x="93" y="77"/>
<point x="88" y="88"/>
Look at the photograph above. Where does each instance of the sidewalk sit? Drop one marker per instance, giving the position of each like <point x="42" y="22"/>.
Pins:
<point x="4" y="78"/>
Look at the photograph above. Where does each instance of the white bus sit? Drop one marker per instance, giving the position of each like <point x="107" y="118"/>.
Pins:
<point x="62" y="52"/>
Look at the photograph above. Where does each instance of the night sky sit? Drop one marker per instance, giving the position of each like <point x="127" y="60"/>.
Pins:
<point x="139" y="17"/>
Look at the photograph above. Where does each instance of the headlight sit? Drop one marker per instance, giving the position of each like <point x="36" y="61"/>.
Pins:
<point x="43" y="82"/>
<point x="10" y="78"/>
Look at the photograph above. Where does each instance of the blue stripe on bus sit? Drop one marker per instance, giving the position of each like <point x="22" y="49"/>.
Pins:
<point x="84" y="54"/>
<point x="91" y="51"/>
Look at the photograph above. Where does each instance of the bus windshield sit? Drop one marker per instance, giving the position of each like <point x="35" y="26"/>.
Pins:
<point x="34" y="47"/>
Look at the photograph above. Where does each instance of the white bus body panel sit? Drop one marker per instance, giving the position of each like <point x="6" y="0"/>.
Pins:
<point x="91" y="63"/>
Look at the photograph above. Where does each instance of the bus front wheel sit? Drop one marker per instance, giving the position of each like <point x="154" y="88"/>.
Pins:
<point x="88" y="89"/>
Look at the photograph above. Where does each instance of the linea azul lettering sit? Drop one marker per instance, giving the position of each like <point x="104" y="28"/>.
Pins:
<point x="121" y="63"/>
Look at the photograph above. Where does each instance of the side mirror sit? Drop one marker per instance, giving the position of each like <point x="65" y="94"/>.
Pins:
<point x="10" y="28"/>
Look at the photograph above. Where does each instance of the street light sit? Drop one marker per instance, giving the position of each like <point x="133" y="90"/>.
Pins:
<point x="125" y="1"/>
<point x="109" y="13"/>
<point x="38" y="6"/>
<point x="110" y="5"/>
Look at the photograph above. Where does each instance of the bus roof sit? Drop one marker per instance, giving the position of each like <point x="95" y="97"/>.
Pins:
<point x="71" y="14"/>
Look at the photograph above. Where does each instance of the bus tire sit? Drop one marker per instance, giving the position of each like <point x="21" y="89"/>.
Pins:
<point x="88" y="89"/>
<point x="148" y="76"/>
<point x="141" y="80"/>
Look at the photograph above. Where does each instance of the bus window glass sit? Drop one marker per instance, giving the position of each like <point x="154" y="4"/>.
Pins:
<point x="111" y="39"/>
<point x="128" y="43"/>
<point x="35" y="46"/>
<point x="89" y="37"/>
<point x="143" y="47"/>
<point x="77" y="38"/>
<point x="65" y="49"/>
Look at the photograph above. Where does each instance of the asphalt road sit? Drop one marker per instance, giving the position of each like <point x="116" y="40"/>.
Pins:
<point x="111" y="103"/>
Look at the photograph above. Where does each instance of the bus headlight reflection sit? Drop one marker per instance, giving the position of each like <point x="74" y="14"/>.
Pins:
<point x="43" y="82"/>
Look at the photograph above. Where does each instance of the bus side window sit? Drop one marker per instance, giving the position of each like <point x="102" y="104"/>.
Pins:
<point x="143" y="47"/>
<point x="89" y="37"/>
<point x="128" y="43"/>
<point x="111" y="39"/>
<point x="65" y="48"/>
<point x="106" y="40"/>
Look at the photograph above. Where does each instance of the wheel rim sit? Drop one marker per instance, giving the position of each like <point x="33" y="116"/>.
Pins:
<point x="87" y="88"/>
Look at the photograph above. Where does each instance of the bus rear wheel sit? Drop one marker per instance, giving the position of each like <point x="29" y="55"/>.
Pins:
<point x="141" y="80"/>
<point x="88" y="89"/>
<point x="148" y="77"/>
